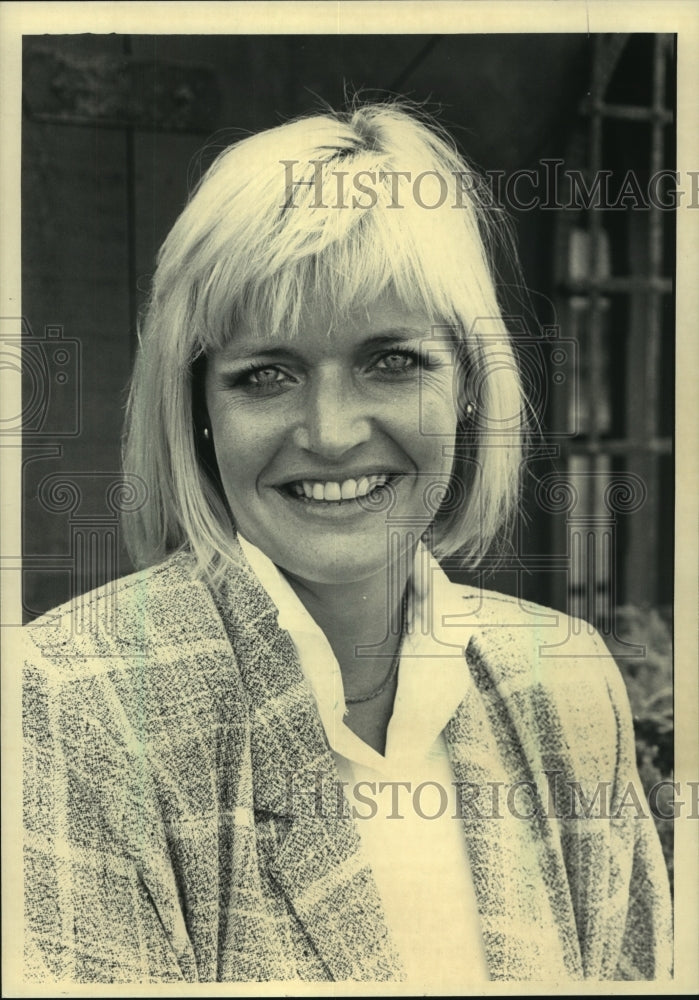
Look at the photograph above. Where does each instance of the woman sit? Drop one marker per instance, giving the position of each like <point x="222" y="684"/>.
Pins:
<point x="290" y="748"/>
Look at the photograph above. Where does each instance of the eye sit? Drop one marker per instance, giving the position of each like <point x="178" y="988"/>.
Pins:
<point x="397" y="362"/>
<point x="262" y="379"/>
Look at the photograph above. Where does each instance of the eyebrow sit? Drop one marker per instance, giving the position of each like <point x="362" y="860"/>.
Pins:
<point x="255" y="349"/>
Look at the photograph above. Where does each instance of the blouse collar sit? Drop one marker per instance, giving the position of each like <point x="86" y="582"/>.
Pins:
<point x="432" y="677"/>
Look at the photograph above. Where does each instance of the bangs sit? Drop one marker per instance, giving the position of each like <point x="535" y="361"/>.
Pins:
<point x="345" y="277"/>
<point x="434" y="262"/>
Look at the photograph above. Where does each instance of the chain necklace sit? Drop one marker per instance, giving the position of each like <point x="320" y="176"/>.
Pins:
<point x="392" y="670"/>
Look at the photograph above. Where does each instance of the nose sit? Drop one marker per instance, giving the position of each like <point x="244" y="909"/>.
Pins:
<point x="336" y="416"/>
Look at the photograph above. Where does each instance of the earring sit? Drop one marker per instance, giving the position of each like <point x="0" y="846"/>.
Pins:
<point x="206" y="434"/>
<point x="470" y="409"/>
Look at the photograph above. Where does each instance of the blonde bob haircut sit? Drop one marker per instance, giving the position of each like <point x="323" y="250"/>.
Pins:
<point x="272" y="222"/>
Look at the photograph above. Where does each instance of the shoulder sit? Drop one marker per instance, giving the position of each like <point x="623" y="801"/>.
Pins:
<point x="495" y="609"/>
<point x="520" y="644"/>
<point x="152" y="584"/>
<point x="159" y="624"/>
<point x="143" y="657"/>
<point x="512" y="619"/>
<point x="551" y="676"/>
<point x="128" y="611"/>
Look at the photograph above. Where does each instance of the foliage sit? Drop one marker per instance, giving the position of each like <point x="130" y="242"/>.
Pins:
<point x="649" y="682"/>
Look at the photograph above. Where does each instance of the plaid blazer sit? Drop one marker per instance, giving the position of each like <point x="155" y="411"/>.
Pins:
<point x="181" y="817"/>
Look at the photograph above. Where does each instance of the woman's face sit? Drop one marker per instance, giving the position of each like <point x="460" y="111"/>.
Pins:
<point x="316" y="434"/>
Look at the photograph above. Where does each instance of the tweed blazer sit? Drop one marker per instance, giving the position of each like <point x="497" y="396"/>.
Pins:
<point x="181" y="801"/>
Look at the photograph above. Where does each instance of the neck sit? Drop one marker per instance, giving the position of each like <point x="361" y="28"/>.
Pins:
<point x="362" y="621"/>
<point x="364" y="613"/>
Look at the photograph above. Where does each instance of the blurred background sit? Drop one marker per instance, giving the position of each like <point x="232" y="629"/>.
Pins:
<point x="116" y="129"/>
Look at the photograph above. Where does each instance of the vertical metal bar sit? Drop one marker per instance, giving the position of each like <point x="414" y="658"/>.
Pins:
<point x="595" y="272"/>
<point x="130" y="156"/>
<point x="562" y="583"/>
<point x="655" y="254"/>
<point x="577" y="572"/>
<point x="654" y="329"/>
<point x="591" y="575"/>
<point x="595" y="242"/>
<point x="641" y="562"/>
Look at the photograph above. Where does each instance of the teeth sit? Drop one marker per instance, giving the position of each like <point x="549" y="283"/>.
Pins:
<point x="350" y="489"/>
<point x="375" y="481"/>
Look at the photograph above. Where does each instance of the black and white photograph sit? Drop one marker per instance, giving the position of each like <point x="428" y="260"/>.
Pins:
<point x="349" y="461"/>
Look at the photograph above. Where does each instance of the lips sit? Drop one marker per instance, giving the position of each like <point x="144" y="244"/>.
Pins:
<point x="336" y="490"/>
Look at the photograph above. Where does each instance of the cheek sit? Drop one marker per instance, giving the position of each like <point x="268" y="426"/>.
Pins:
<point x="437" y="417"/>
<point x="240" y="446"/>
<point x="431" y="448"/>
<point x="436" y="436"/>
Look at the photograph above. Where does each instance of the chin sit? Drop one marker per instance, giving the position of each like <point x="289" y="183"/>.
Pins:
<point x="347" y="562"/>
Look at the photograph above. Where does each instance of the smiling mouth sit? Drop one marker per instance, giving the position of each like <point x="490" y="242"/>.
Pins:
<point x="321" y="491"/>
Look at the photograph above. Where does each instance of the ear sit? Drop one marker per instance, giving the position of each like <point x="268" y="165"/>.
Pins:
<point x="201" y="424"/>
<point x="465" y="390"/>
<point x="200" y="413"/>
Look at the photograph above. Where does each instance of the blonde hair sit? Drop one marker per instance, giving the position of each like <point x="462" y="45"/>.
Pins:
<point x="263" y="228"/>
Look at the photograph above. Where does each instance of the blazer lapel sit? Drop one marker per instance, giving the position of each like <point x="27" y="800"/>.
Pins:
<point x="318" y="864"/>
<point x="517" y="865"/>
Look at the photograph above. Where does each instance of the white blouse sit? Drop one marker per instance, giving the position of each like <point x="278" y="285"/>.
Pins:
<point x="404" y="802"/>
